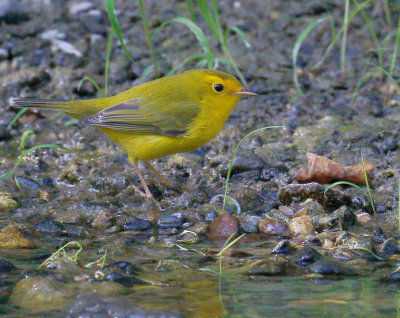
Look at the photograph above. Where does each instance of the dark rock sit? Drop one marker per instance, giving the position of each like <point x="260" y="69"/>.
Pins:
<point x="28" y="183"/>
<point x="306" y="256"/>
<point x="268" y="268"/>
<point x="124" y="280"/>
<point x="380" y="208"/>
<point x="313" y="240"/>
<point x="210" y="215"/>
<point x="248" y="223"/>
<point x="392" y="277"/>
<point x="326" y="267"/>
<point x="389" y="247"/>
<point x="241" y="164"/>
<point x="272" y="227"/>
<point x="245" y="176"/>
<point x="134" y="224"/>
<point x="269" y="173"/>
<point x="170" y="219"/>
<point x="341" y="219"/>
<point x="126" y="267"/>
<point x="295" y="193"/>
<point x="283" y="247"/>
<point x="97" y="306"/>
<point x="6" y="266"/>
<point x="12" y="12"/>
<point x="50" y="227"/>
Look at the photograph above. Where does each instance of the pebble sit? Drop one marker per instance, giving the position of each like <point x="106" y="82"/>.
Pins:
<point x="66" y="47"/>
<point x="80" y="7"/>
<point x="103" y="219"/>
<point x="242" y="164"/>
<point x="13" y="236"/>
<point x="170" y="220"/>
<point x="7" y="202"/>
<point x="271" y="227"/>
<point x="224" y="226"/>
<point x="6" y="266"/>
<point x="97" y="306"/>
<point x="306" y="256"/>
<point x="248" y="223"/>
<point x="267" y="268"/>
<point x="51" y="35"/>
<point x="12" y="12"/>
<point x="124" y="280"/>
<point x="283" y="247"/>
<point x="127" y="267"/>
<point x="210" y="215"/>
<point x="325" y="267"/>
<point x="50" y="227"/>
<point x="301" y="225"/>
<point x="134" y="224"/>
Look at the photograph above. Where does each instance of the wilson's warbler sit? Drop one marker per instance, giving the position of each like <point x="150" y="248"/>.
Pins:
<point x="158" y="118"/>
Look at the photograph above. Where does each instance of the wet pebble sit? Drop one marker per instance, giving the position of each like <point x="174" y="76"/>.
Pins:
<point x="14" y="236"/>
<point x="224" y="226"/>
<point x="124" y="280"/>
<point x="127" y="267"/>
<point x="268" y="267"/>
<point x="283" y="247"/>
<point x="326" y="267"/>
<point x="80" y="7"/>
<point x="389" y="247"/>
<point x="242" y="164"/>
<point x="294" y="193"/>
<point x="248" y="223"/>
<point x="271" y="227"/>
<point x="199" y="228"/>
<point x="170" y="220"/>
<point x="134" y="224"/>
<point x="301" y="225"/>
<point x="13" y="12"/>
<point x="188" y="237"/>
<point x="97" y="306"/>
<point x="210" y="215"/>
<point x="313" y="240"/>
<point x="103" y="219"/>
<point x="7" y="202"/>
<point x="306" y="256"/>
<point x="6" y="266"/>
<point x="50" y="227"/>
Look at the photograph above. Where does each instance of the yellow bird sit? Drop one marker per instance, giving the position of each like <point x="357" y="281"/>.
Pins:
<point x="169" y="115"/>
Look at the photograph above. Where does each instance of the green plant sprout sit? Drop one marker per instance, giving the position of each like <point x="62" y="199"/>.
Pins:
<point x="367" y="193"/>
<point x="228" y="175"/>
<point x="57" y="254"/>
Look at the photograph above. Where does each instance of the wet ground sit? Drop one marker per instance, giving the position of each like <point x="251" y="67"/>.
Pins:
<point x="303" y="252"/>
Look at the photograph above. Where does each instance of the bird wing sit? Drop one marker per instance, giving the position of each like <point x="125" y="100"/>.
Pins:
<point x="143" y="118"/>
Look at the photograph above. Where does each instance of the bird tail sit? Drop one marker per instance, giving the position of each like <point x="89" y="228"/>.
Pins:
<point x="48" y="104"/>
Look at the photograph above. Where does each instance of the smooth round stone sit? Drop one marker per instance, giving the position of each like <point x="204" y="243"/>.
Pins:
<point x="306" y="256"/>
<point x="50" y="227"/>
<point x="134" y="224"/>
<point x="167" y="220"/>
<point x="283" y="247"/>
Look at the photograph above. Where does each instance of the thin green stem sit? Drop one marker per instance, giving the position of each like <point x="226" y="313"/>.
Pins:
<point x="108" y="57"/>
<point x="344" y="39"/>
<point x="148" y="37"/>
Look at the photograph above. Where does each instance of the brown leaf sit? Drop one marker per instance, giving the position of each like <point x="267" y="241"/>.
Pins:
<point x="323" y="170"/>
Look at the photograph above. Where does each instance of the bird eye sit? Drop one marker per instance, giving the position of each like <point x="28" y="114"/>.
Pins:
<point x="218" y="88"/>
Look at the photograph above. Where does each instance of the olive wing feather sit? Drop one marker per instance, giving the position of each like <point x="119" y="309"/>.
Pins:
<point x="139" y="117"/>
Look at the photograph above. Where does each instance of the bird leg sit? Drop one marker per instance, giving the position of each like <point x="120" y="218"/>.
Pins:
<point x="147" y="193"/>
<point x="157" y="174"/>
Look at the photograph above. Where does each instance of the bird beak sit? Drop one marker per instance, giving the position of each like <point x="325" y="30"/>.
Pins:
<point x="243" y="93"/>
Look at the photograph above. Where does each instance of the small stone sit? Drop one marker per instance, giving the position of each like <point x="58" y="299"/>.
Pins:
<point x="80" y="7"/>
<point x="283" y="247"/>
<point x="51" y="35"/>
<point x="312" y="240"/>
<point x="364" y="217"/>
<point x="13" y="236"/>
<point x="50" y="227"/>
<point x="150" y="215"/>
<point x="267" y="268"/>
<point x="389" y="247"/>
<point x="104" y="219"/>
<point x="188" y="237"/>
<point x="6" y="266"/>
<point x="224" y="226"/>
<point x="211" y="215"/>
<point x="12" y="12"/>
<point x="328" y="244"/>
<point x="199" y="228"/>
<point x="306" y="256"/>
<point x="170" y="220"/>
<point x="66" y="47"/>
<point x="271" y="227"/>
<point x="326" y="267"/>
<point x="127" y="267"/>
<point x="126" y="281"/>
<point x="6" y="201"/>
<point x="301" y="225"/>
<point x="242" y="164"/>
<point x="248" y="223"/>
<point x="134" y="224"/>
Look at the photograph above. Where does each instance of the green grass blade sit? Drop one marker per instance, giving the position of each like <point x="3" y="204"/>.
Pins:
<point x="25" y="137"/>
<point x="198" y="33"/>
<point x="208" y="17"/>
<point x="71" y="122"/>
<point x="370" y="252"/>
<point x="16" y="117"/>
<point x="396" y="47"/>
<point x="240" y="34"/>
<point x="344" y="38"/>
<point x="228" y="175"/>
<point x="110" y="9"/>
<point x="191" y="11"/>
<point x="296" y="50"/>
<point x="7" y="174"/>
<point x="229" y="243"/>
<point x="94" y="83"/>
<point x="149" y="39"/>
<point x="345" y="183"/>
<point x="108" y="58"/>
<point x="28" y="151"/>
<point x="371" y="199"/>
<point x="184" y="62"/>
<point x="389" y="76"/>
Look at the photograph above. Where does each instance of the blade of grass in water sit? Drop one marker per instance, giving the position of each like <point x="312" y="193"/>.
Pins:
<point x="148" y="37"/>
<point x="16" y="117"/>
<point x="110" y="9"/>
<point x="296" y="50"/>
<point x="228" y="175"/>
